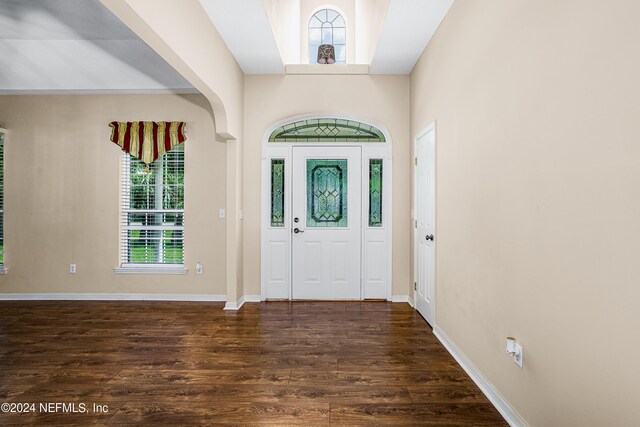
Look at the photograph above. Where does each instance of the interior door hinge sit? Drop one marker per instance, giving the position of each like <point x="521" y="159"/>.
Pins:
<point x="415" y="161"/>
<point x="415" y="223"/>
<point x="415" y="286"/>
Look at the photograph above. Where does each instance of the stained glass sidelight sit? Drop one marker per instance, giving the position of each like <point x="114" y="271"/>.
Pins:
<point x="326" y="193"/>
<point x="375" y="192"/>
<point x="277" y="192"/>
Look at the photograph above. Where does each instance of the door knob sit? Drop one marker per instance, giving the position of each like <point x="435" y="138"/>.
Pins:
<point x="429" y="237"/>
<point x="297" y="230"/>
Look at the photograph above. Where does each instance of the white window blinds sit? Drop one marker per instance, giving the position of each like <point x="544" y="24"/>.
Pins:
<point x="152" y="229"/>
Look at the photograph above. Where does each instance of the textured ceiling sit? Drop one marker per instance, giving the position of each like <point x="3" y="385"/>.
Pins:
<point x="245" y="28"/>
<point x="76" y="45"/>
<point x="406" y="32"/>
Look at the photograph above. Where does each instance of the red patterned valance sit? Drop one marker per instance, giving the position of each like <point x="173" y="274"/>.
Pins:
<point x="147" y="141"/>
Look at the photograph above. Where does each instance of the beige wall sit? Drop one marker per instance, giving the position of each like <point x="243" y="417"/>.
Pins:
<point x="538" y="198"/>
<point x="62" y="192"/>
<point x="370" y="16"/>
<point x="284" y="17"/>
<point x="381" y="99"/>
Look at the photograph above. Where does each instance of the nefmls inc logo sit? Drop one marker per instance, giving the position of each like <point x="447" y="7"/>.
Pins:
<point x="68" y="408"/>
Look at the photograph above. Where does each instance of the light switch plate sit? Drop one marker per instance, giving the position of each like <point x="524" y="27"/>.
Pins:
<point x="221" y="213"/>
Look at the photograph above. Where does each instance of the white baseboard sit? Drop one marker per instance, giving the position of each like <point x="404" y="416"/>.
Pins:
<point x="234" y="305"/>
<point x="509" y="414"/>
<point x="238" y="304"/>
<point x="112" y="297"/>
<point x="400" y="298"/>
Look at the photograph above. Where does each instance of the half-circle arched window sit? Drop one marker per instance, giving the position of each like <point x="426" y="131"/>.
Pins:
<point x="327" y="26"/>
<point x="327" y="130"/>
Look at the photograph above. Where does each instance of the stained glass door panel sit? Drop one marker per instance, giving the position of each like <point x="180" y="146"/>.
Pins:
<point x="327" y="202"/>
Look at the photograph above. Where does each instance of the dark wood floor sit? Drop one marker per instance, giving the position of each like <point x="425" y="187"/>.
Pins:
<point x="282" y="363"/>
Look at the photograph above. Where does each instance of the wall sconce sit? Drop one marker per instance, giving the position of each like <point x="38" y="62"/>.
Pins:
<point x="326" y="54"/>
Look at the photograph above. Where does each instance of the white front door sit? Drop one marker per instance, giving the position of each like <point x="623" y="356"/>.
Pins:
<point x="425" y="224"/>
<point x="326" y="223"/>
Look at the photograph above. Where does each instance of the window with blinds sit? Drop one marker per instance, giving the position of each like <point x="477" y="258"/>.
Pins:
<point x="153" y="210"/>
<point x="1" y="200"/>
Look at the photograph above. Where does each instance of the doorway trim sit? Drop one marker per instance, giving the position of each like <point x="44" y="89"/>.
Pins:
<point x="276" y="243"/>
<point x="414" y="215"/>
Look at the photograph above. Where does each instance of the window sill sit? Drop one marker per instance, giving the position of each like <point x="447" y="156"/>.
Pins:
<point x="327" y="69"/>
<point x="155" y="269"/>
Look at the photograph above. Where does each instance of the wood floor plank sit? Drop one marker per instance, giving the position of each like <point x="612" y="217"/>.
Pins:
<point x="445" y="393"/>
<point x="230" y="413"/>
<point x="431" y="414"/>
<point x="310" y="394"/>
<point x="250" y="376"/>
<point x="278" y="363"/>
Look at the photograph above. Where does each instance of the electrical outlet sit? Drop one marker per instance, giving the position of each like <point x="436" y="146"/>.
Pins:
<point x="72" y="268"/>
<point x="221" y="213"/>
<point x="514" y="350"/>
<point x="199" y="268"/>
<point x="517" y="358"/>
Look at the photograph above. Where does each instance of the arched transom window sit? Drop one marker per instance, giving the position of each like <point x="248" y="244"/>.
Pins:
<point x="327" y="26"/>
<point x="327" y="130"/>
